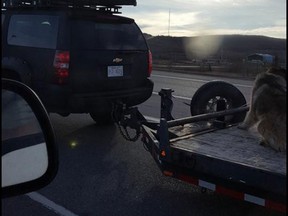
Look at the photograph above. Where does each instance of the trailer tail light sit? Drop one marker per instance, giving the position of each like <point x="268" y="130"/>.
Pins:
<point x="149" y="63"/>
<point x="168" y="173"/>
<point x="61" y="65"/>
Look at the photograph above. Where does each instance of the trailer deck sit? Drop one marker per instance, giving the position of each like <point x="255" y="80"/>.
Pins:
<point x="230" y="144"/>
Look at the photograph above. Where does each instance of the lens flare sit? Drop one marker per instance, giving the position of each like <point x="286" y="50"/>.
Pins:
<point x="73" y="144"/>
<point x="202" y="47"/>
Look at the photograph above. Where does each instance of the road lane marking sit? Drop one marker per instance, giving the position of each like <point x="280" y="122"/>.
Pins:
<point x="50" y="204"/>
<point x="153" y="119"/>
<point x="180" y="78"/>
<point x="175" y="96"/>
<point x="197" y="80"/>
<point x="181" y="97"/>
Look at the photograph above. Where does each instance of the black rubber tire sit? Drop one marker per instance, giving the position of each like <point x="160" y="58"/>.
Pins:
<point x="216" y="90"/>
<point x="102" y="118"/>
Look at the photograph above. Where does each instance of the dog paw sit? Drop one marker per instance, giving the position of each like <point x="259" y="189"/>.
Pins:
<point x="263" y="143"/>
<point x="281" y="148"/>
<point x="242" y="126"/>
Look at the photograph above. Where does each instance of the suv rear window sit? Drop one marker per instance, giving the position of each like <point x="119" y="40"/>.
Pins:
<point x="107" y="36"/>
<point x="33" y="31"/>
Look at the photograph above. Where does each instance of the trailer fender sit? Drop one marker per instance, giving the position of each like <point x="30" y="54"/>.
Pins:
<point x="17" y="69"/>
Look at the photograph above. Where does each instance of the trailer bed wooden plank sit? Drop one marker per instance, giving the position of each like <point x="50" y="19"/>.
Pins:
<point x="235" y="145"/>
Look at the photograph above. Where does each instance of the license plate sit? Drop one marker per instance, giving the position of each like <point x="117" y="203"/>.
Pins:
<point x="115" y="71"/>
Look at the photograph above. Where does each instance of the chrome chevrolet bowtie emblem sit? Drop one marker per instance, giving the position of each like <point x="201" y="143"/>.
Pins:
<point x="117" y="60"/>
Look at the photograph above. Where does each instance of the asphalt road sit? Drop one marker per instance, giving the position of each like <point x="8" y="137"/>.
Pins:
<point x="101" y="173"/>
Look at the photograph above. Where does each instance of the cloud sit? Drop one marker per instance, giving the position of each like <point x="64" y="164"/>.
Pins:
<point x="198" y="17"/>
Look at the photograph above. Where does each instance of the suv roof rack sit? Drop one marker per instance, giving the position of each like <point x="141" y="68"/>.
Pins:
<point x="110" y="6"/>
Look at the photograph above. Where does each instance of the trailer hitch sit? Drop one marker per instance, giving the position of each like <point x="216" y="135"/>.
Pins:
<point x="128" y="117"/>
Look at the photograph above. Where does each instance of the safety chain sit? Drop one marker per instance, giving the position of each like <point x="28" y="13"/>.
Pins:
<point x="124" y="132"/>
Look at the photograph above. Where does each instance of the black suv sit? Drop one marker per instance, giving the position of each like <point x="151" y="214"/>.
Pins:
<point x="77" y="58"/>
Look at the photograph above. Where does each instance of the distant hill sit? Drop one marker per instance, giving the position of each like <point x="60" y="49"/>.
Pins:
<point x="233" y="48"/>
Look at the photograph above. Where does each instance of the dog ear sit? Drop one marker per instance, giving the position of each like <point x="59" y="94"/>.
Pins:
<point x="278" y="71"/>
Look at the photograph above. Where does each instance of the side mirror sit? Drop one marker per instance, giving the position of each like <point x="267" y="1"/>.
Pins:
<point x="29" y="153"/>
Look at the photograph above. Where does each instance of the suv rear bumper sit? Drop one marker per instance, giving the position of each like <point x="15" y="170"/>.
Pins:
<point x="60" y="100"/>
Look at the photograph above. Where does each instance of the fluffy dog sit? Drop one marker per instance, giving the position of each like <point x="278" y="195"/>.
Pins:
<point x="268" y="108"/>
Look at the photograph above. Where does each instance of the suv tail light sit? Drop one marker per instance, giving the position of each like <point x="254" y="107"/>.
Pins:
<point x="149" y="63"/>
<point x="61" y="65"/>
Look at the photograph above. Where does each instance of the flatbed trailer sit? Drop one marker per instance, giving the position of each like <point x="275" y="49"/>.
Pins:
<point x="228" y="161"/>
<point x="206" y="151"/>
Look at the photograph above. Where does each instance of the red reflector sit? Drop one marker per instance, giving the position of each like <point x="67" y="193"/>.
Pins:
<point x="276" y="206"/>
<point x="167" y="173"/>
<point x="149" y="63"/>
<point x="188" y="179"/>
<point x="231" y="193"/>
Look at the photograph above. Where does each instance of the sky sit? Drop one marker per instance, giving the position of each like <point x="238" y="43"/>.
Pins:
<point x="210" y="17"/>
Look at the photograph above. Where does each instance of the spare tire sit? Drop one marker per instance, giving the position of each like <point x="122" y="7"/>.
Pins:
<point x="206" y="97"/>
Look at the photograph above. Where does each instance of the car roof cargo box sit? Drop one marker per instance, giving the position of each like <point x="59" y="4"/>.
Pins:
<point x="103" y="5"/>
